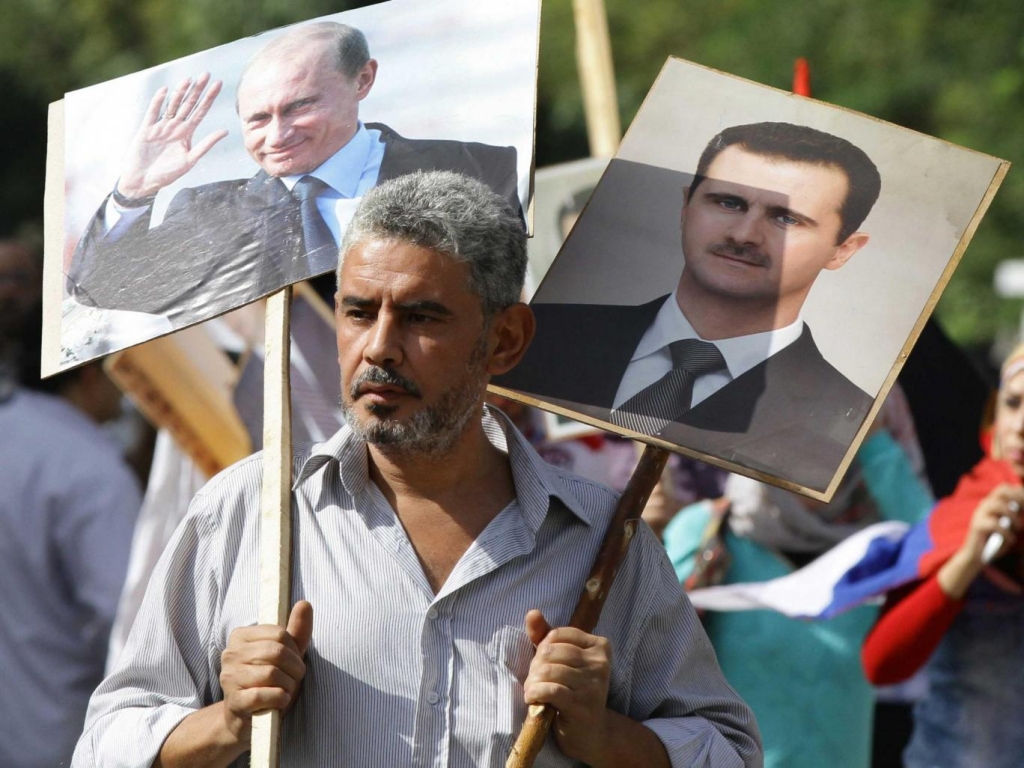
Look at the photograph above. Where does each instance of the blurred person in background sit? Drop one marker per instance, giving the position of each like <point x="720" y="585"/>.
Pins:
<point x="68" y="504"/>
<point x="802" y="679"/>
<point x="67" y="509"/>
<point x="963" y="616"/>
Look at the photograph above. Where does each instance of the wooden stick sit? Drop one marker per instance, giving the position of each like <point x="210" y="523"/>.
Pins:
<point x="275" y="506"/>
<point x="621" y="530"/>
<point x="597" y="77"/>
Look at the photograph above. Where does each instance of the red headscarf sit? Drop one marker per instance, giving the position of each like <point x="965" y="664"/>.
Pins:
<point x="951" y="517"/>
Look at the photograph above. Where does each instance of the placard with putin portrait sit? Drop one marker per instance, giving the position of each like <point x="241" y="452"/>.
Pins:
<point x="749" y="275"/>
<point x="198" y="186"/>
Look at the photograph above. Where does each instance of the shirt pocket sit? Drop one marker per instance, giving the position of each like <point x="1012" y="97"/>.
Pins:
<point x="511" y="652"/>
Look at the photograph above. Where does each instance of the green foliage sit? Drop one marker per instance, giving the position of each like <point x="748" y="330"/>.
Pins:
<point x="950" y="68"/>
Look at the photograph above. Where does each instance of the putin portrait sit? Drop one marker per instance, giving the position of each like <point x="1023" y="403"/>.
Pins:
<point x="223" y="244"/>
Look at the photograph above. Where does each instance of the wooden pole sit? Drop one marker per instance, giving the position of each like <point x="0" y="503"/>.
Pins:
<point x="275" y="506"/>
<point x="604" y="131"/>
<point x="597" y="77"/>
<point x="621" y="530"/>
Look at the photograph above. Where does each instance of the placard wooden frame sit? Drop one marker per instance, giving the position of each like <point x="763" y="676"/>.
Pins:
<point x="1000" y="168"/>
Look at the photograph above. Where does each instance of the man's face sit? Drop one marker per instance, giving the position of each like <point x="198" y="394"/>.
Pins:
<point x="297" y="110"/>
<point x="761" y="229"/>
<point x="412" y="344"/>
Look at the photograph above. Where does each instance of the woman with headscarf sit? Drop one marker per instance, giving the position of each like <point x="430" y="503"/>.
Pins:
<point x="965" y="615"/>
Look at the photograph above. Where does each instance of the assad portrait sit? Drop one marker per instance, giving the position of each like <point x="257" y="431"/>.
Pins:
<point x="723" y="363"/>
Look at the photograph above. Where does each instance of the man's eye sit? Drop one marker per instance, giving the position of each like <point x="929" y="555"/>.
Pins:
<point x="357" y="315"/>
<point x="299" y="108"/>
<point x="731" y="205"/>
<point x="786" y="221"/>
<point x="418" y="319"/>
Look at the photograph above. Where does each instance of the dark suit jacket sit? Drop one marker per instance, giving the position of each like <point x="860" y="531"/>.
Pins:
<point x="792" y="416"/>
<point x="225" y="244"/>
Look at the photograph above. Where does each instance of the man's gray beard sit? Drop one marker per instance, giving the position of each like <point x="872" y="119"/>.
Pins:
<point x="431" y="431"/>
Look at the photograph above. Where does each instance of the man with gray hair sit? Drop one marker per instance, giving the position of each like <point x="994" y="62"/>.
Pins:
<point x="223" y="244"/>
<point x="433" y="545"/>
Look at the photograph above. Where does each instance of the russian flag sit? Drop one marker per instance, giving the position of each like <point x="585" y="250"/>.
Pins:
<point x="870" y="563"/>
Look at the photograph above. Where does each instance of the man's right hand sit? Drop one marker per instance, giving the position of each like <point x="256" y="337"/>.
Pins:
<point x="162" y="150"/>
<point x="262" y="668"/>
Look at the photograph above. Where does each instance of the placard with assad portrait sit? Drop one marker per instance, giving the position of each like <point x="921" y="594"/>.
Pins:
<point x="748" y="276"/>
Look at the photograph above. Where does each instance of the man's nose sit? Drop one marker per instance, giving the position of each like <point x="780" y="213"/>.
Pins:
<point x="384" y="346"/>
<point x="279" y="131"/>
<point x="747" y="229"/>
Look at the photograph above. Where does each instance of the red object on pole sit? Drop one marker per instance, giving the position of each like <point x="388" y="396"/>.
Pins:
<point x="802" y="77"/>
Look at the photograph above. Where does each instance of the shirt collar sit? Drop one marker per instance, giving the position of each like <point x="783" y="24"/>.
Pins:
<point x="342" y="170"/>
<point x="741" y="353"/>
<point x="536" y="481"/>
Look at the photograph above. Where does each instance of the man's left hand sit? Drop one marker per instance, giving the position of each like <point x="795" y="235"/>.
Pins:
<point x="571" y="671"/>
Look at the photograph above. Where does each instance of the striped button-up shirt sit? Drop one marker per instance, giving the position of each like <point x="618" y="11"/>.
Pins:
<point x="397" y="675"/>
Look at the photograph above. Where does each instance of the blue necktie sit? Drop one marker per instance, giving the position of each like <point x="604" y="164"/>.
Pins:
<point x="664" y="401"/>
<point x="321" y="250"/>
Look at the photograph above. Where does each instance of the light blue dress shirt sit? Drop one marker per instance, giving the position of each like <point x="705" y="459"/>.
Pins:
<point x="350" y="172"/>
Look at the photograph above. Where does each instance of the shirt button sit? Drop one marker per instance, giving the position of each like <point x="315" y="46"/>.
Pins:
<point x="432" y="613"/>
<point x="432" y="698"/>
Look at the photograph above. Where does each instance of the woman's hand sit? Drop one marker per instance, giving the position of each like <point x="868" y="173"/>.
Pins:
<point x="1003" y="502"/>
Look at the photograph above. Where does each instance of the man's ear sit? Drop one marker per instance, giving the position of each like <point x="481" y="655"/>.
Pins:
<point x="847" y="248"/>
<point x="511" y="332"/>
<point x="365" y="79"/>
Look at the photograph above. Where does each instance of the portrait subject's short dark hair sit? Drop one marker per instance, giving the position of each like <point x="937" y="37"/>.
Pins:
<point x="348" y="44"/>
<point x="801" y="144"/>
<point x="351" y="51"/>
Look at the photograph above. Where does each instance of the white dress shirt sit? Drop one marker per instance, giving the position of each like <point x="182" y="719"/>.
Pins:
<point x="651" y="359"/>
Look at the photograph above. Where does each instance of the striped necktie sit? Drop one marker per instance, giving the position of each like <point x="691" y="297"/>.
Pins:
<point x="664" y="401"/>
<point x="321" y="250"/>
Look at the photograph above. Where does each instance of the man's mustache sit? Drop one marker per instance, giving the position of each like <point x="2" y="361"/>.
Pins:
<point x="382" y="377"/>
<point x="749" y="254"/>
